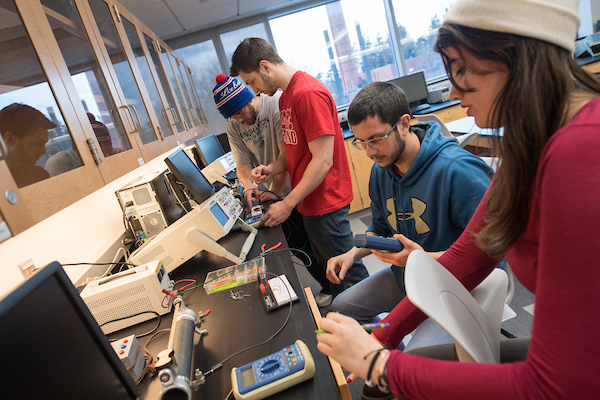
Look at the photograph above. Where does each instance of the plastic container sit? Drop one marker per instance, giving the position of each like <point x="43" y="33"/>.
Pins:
<point x="236" y="275"/>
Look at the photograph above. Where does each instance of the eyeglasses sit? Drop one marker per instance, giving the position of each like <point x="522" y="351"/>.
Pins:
<point x="374" y="143"/>
<point x="235" y="116"/>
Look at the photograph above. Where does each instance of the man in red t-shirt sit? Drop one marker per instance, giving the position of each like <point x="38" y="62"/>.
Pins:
<point x="315" y="156"/>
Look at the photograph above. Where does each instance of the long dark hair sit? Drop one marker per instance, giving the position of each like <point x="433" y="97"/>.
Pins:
<point x="531" y="108"/>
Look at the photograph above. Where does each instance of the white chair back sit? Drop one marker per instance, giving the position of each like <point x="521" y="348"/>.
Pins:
<point x="473" y="319"/>
<point x="463" y="140"/>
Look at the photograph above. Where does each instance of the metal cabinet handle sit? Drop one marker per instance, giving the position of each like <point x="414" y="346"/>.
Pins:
<point x="175" y="115"/>
<point x="112" y="115"/>
<point x="130" y="116"/>
<point x="191" y="111"/>
<point x="196" y="116"/>
<point x="137" y="117"/>
<point x="164" y="113"/>
<point x="3" y="149"/>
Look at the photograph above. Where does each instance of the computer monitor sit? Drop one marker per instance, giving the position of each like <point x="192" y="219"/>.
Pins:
<point x="188" y="173"/>
<point x="52" y="347"/>
<point x="194" y="154"/>
<point x="210" y="149"/>
<point x="414" y="86"/>
<point x="224" y="142"/>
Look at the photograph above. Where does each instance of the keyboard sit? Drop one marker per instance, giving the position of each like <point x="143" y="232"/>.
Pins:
<point x="420" y="107"/>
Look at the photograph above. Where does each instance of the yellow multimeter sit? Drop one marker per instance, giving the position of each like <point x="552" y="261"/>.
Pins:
<point x="273" y="373"/>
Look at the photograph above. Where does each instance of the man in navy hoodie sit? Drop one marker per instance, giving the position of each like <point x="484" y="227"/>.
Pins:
<point x="424" y="189"/>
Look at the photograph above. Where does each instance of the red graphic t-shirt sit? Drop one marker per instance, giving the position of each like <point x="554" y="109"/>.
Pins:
<point x="308" y="111"/>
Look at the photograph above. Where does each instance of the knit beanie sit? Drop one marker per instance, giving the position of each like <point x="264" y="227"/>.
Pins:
<point x="553" y="21"/>
<point x="231" y="95"/>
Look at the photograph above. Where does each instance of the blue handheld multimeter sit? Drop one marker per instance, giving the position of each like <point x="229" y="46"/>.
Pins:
<point x="377" y="242"/>
<point x="273" y="373"/>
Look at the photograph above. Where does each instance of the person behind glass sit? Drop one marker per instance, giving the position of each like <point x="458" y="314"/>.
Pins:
<point x="511" y="65"/>
<point x="423" y="187"/>
<point x="255" y="137"/>
<point x="315" y="156"/>
<point x="25" y="132"/>
<point x="103" y="136"/>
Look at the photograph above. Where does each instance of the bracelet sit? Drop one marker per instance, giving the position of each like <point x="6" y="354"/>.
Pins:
<point x="382" y="380"/>
<point x="372" y="365"/>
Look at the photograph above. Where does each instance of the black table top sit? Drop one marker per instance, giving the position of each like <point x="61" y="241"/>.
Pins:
<point x="587" y="60"/>
<point x="437" y="107"/>
<point x="234" y="325"/>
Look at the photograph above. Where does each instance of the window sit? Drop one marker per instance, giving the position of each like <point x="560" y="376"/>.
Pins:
<point x="204" y="63"/>
<point x="345" y="44"/>
<point x="232" y="39"/>
<point x="32" y="125"/>
<point x="417" y="24"/>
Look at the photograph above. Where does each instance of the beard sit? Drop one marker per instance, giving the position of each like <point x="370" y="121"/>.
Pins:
<point x="394" y="157"/>
<point x="251" y="115"/>
<point x="269" y="82"/>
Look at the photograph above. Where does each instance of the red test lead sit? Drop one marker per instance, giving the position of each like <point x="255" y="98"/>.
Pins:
<point x="167" y="292"/>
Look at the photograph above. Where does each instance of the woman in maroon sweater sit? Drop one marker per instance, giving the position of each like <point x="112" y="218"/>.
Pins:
<point x="511" y="66"/>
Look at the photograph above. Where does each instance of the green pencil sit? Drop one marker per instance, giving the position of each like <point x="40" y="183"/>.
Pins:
<point x="367" y="327"/>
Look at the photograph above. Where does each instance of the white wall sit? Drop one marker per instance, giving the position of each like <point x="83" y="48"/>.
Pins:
<point x="585" y="15"/>
<point x="589" y="13"/>
<point x="595" y="8"/>
<point x="82" y="232"/>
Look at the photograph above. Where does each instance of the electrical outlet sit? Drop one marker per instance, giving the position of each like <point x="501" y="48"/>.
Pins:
<point x="5" y="232"/>
<point x="27" y="268"/>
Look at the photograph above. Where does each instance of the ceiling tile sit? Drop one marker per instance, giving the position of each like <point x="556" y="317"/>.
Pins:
<point x="223" y="12"/>
<point x="182" y="8"/>
<point x="167" y="29"/>
<point x="153" y="14"/>
<point x="197" y="15"/>
<point x="252" y="6"/>
<point x="133" y="4"/>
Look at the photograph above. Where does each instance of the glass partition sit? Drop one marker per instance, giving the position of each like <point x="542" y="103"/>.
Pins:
<point x="87" y="77"/>
<point x="204" y="64"/>
<point x="163" y="81"/>
<point x="39" y="143"/>
<point x="135" y="106"/>
<point x="194" y="92"/>
<point x="149" y="82"/>
<point x="187" y="91"/>
<point x="173" y="79"/>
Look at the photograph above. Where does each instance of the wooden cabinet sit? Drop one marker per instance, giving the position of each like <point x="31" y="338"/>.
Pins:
<point x="593" y="68"/>
<point x="451" y="113"/>
<point x="360" y="171"/>
<point x="5" y="232"/>
<point x="84" y="72"/>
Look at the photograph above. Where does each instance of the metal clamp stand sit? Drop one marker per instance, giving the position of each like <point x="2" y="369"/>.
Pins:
<point x="201" y="240"/>
<point x="175" y="380"/>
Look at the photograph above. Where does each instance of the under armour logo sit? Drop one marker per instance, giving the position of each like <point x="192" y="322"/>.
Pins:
<point x="418" y="207"/>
